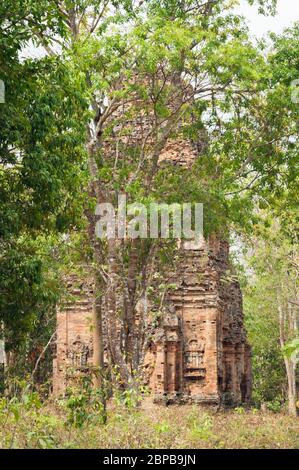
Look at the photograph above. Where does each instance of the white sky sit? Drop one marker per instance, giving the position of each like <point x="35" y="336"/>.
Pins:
<point x="287" y="14"/>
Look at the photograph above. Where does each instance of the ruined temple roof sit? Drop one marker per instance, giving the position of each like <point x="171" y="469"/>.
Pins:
<point x="178" y="152"/>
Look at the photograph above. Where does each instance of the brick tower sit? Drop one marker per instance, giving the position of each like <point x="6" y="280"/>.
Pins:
<point x="199" y="352"/>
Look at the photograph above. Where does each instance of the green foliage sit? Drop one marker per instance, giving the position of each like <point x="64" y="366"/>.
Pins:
<point x="131" y="396"/>
<point x="25" y="406"/>
<point x="84" y="404"/>
<point x="41" y="166"/>
<point x="274" y="405"/>
<point x="263" y="335"/>
<point x="291" y="348"/>
<point x="35" y="426"/>
<point x="272" y="285"/>
<point x="163" y="427"/>
<point x="239" y="410"/>
<point x="200" y="426"/>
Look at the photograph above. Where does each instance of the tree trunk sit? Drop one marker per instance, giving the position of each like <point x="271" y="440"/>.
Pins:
<point x="291" y="375"/>
<point x="290" y="364"/>
<point x="2" y="366"/>
<point x="98" y="346"/>
<point x="114" y="310"/>
<point x="98" y="352"/>
<point x="130" y="320"/>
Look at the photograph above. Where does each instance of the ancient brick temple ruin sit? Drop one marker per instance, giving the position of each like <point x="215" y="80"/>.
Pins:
<point x="199" y="352"/>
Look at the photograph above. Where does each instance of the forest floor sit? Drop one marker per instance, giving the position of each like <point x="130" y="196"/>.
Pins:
<point x="150" y="426"/>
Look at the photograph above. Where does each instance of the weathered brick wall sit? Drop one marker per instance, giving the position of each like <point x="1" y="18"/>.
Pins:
<point x="199" y="352"/>
<point x="211" y="340"/>
<point x="74" y="349"/>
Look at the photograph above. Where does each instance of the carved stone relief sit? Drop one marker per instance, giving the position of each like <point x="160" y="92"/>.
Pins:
<point x="79" y="353"/>
<point x="194" y="358"/>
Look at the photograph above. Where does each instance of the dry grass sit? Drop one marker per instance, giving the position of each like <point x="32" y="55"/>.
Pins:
<point x="151" y="426"/>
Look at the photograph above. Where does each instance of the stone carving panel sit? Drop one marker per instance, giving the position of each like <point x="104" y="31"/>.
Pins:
<point x="79" y="353"/>
<point x="194" y="358"/>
